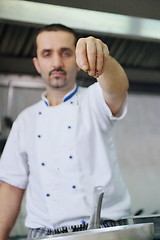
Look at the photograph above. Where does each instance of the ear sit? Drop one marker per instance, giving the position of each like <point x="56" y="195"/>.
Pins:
<point x="36" y="64"/>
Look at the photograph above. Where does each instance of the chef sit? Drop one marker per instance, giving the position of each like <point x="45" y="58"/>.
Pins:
<point x="60" y="148"/>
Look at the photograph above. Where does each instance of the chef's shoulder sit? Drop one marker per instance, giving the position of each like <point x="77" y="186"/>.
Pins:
<point x="89" y="90"/>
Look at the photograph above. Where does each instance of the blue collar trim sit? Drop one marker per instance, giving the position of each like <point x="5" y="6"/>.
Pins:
<point x="68" y="96"/>
<point x="71" y="95"/>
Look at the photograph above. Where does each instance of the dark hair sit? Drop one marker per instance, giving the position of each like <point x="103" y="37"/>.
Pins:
<point x="55" y="27"/>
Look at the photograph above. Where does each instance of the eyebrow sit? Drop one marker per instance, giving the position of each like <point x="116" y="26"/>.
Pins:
<point x="65" y="48"/>
<point x="61" y="49"/>
<point x="45" y="50"/>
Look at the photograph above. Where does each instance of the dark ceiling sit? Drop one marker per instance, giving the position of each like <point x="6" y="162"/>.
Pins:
<point x="139" y="57"/>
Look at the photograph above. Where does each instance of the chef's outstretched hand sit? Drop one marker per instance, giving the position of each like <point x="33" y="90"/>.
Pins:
<point x="91" y="55"/>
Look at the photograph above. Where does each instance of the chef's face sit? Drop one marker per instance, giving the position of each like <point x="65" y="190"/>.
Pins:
<point x="56" y="61"/>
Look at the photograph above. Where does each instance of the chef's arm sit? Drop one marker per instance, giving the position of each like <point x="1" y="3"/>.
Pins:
<point x="92" y="56"/>
<point x="114" y="84"/>
<point x="10" y="201"/>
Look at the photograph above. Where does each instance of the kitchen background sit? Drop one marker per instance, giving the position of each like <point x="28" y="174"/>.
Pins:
<point x="132" y="32"/>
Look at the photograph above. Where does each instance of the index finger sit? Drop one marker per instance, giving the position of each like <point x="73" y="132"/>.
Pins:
<point x="81" y="55"/>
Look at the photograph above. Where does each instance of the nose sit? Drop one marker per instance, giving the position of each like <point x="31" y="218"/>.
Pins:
<point x="57" y="61"/>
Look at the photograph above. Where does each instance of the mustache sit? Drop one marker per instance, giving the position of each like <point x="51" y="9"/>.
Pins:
<point x="57" y="70"/>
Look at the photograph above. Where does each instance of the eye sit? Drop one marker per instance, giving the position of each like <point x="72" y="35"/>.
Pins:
<point x="66" y="53"/>
<point x="46" y="53"/>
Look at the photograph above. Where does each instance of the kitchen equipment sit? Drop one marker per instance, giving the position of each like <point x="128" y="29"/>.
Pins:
<point x="143" y="231"/>
<point x="94" y="221"/>
<point x="153" y="218"/>
<point x="128" y="232"/>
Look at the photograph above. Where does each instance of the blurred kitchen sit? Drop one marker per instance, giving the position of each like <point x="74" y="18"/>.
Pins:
<point x="131" y="29"/>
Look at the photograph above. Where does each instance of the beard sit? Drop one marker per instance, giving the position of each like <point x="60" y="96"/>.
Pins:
<point x="57" y="82"/>
<point x="57" y="78"/>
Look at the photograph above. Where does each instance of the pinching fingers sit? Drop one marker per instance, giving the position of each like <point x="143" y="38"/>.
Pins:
<point x="99" y="58"/>
<point x="90" y="55"/>
<point x="81" y="55"/>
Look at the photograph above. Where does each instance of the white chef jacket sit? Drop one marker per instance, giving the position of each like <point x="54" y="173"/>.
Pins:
<point x="60" y="153"/>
